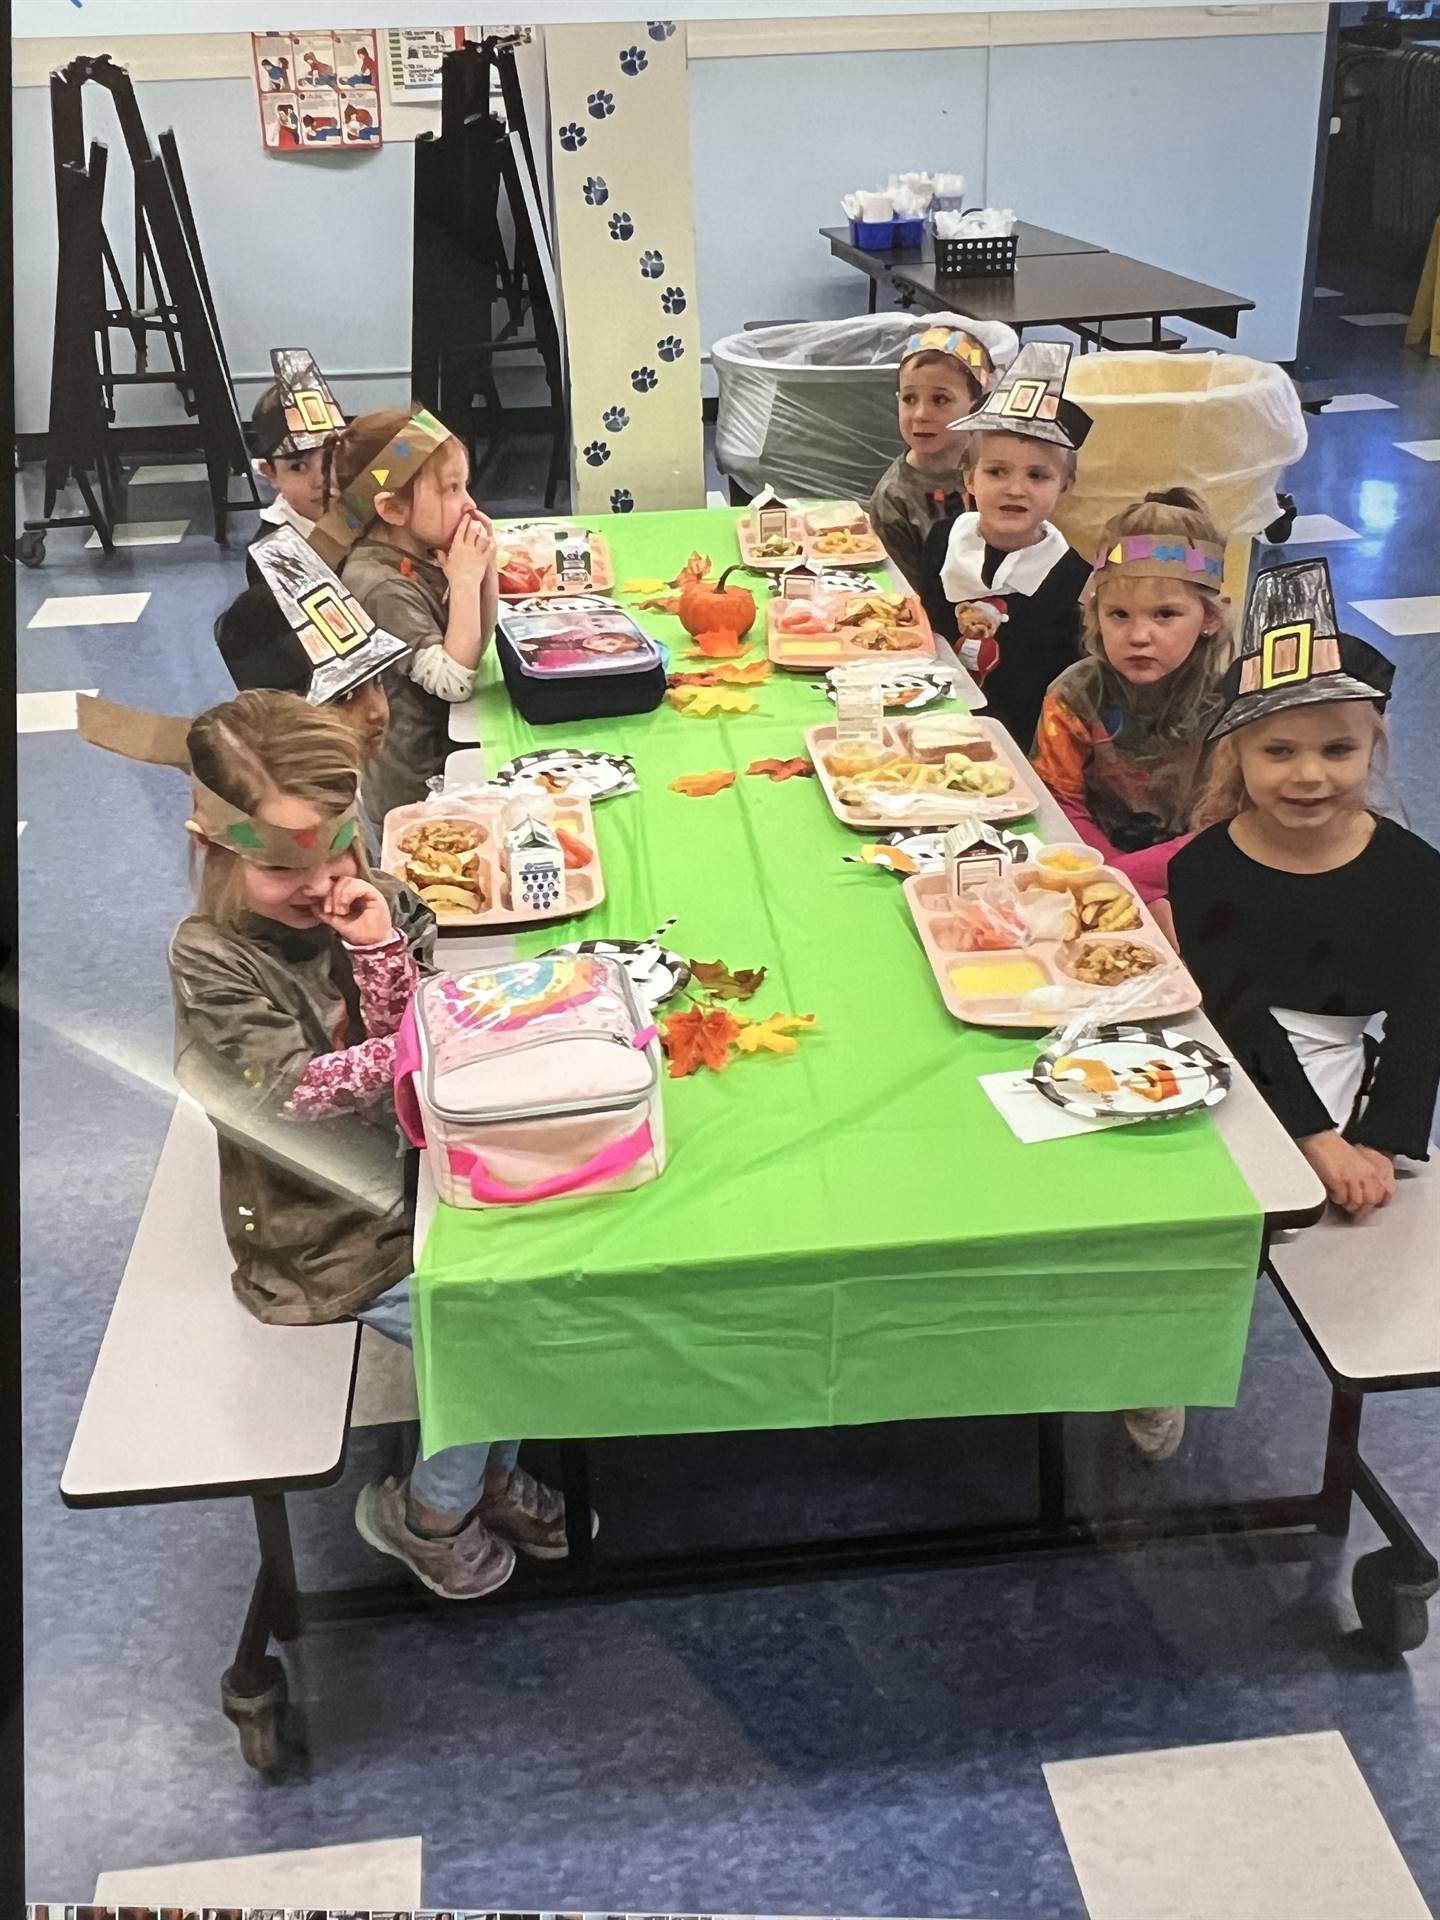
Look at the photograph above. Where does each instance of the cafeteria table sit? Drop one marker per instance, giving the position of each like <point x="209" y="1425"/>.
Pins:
<point x="661" y="1311"/>
<point x="913" y="268"/>
<point x="1058" y="289"/>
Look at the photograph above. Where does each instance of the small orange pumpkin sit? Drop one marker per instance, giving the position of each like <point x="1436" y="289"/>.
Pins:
<point x="713" y="607"/>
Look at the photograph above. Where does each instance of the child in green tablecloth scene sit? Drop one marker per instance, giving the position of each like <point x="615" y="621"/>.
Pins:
<point x="1122" y="733"/>
<point x="290" y="980"/>
<point x="1309" y="919"/>
<point x="1001" y="581"/>
<point x="419" y="555"/>
<point x="946" y="370"/>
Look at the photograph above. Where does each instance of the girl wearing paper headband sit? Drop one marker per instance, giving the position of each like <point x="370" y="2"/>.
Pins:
<point x="1304" y="914"/>
<point x="1122" y="732"/>
<point x="289" y="982"/>
<point x="418" y="554"/>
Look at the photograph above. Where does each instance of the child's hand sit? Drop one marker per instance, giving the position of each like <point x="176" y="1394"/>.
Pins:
<point x="1357" y="1179"/>
<point x="471" y="553"/>
<point x="358" y="912"/>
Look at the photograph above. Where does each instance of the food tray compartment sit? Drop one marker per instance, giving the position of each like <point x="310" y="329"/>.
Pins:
<point x="814" y="652"/>
<point x="770" y="563"/>
<point x="584" y="886"/>
<point x="602" y="567"/>
<point x="985" y="988"/>
<point x="811" y="546"/>
<point x="939" y="809"/>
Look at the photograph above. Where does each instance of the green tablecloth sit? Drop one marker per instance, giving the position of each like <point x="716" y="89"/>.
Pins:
<point x="848" y="1234"/>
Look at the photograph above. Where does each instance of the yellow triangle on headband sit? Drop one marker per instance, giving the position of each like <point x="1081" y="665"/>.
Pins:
<point x="380" y="474"/>
<point x="1114" y="557"/>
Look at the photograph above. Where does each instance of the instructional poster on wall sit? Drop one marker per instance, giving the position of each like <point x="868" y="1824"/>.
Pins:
<point x="413" y="57"/>
<point x="317" y="89"/>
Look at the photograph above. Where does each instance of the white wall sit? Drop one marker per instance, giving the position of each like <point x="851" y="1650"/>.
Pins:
<point x="1192" y="154"/>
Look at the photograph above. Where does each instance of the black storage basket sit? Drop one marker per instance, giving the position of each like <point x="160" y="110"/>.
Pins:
<point x="984" y="256"/>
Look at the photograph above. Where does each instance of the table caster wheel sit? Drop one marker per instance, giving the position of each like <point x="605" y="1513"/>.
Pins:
<point x="30" y="549"/>
<point x="256" y="1716"/>
<point x="1394" y="1612"/>
<point x="1279" y="530"/>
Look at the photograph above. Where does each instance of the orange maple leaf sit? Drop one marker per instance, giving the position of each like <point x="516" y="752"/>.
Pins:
<point x="697" y="785"/>
<point x="719" y="644"/>
<point x="782" y="769"/>
<point x="699" y="1037"/>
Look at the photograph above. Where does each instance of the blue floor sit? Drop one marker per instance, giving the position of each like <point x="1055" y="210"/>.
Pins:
<point x="854" y="1746"/>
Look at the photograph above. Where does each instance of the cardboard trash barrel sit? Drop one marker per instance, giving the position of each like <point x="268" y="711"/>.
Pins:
<point x="1220" y="423"/>
<point x="808" y="407"/>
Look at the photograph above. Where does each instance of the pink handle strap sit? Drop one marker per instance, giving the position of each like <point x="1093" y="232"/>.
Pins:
<point x="605" y="1165"/>
<point x="407" y="1065"/>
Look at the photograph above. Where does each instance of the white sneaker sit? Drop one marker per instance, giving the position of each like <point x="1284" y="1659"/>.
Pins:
<point x="1156" y="1431"/>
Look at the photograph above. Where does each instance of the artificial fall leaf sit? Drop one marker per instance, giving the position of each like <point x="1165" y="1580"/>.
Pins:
<point x="752" y="673"/>
<point x="773" y="1035"/>
<point x="782" y="769"/>
<point x="699" y="1037"/>
<point x="697" y="785"/>
<point x="719" y="644"/>
<point x="698" y="703"/>
<point x="717" y="978"/>
<point x="645" y="586"/>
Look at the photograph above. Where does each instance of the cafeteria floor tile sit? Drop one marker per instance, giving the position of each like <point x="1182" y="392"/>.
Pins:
<point x="1358" y="403"/>
<point x="369" y="1873"/>
<point x="145" y="533"/>
<point x="47" y="712"/>
<point x="1375" y="319"/>
<point x="1319" y="529"/>
<point x="1416" y="614"/>
<point x="88" y="610"/>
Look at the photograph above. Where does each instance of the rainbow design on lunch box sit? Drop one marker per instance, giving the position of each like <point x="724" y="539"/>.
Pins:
<point x="501" y="1000"/>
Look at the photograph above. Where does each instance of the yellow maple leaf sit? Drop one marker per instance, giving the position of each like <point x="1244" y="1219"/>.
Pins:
<point x="644" y="586"/>
<point x="700" y="702"/>
<point x="775" y="1034"/>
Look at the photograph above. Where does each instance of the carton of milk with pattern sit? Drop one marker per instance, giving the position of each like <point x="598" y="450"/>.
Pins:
<point x="534" y="863"/>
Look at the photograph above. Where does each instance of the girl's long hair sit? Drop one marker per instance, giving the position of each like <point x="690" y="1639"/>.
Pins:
<point x="254" y="747"/>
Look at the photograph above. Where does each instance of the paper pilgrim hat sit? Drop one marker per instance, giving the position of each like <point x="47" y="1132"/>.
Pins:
<point x="1029" y="398"/>
<point x="320" y="642"/>
<point x="1293" y="654"/>
<point x="308" y="413"/>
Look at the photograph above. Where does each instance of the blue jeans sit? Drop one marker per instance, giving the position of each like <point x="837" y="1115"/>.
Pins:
<point x="450" y="1482"/>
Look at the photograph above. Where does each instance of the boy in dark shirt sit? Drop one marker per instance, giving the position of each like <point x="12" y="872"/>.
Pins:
<point x="1002" y="582"/>
<point x="293" y="422"/>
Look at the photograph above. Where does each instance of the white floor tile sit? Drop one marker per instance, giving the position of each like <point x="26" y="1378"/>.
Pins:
<point x="1281" y="1829"/>
<point x="145" y="533"/>
<point x="372" y="1873"/>
<point x="1327" y="293"/>
<point x="1419" y="613"/>
<point x="1358" y="403"/>
<point x="88" y="610"/>
<point x="47" y="712"/>
<point x="1376" y="319"/>
<point x="168" y="476"/>
<point x="20" y="826"/>
<point x="1422" y="449"/>
<point x="1314" y="528"/>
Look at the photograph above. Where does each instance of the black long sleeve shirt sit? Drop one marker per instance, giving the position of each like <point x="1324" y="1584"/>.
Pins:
<point x="1360" y="940"/>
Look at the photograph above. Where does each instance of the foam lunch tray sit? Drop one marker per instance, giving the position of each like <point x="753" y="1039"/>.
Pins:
<point x="811" y="534"/>
<point x="812" y="652"/>
<point x="932" y="808"/>
<point x="536" y="543"/>
<point x="1034" y="985"/>
<point x="584" y="886"/>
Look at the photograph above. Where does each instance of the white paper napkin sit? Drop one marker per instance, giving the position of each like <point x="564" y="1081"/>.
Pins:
<point x="1031" y="1117"/>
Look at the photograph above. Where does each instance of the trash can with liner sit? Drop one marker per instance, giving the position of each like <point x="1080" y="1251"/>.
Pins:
<point x="808" y="407"/>
<point x="1219" y="423"/>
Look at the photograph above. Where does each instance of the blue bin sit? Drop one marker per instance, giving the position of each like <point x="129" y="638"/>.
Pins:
<point x="909" y="233"/>
<point x="873" y="236"/>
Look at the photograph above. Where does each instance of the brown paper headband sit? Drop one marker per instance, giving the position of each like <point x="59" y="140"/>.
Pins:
<point x="396" y="464"/>
<point x="1163" y="556"/>
<point x="161" y="740"/>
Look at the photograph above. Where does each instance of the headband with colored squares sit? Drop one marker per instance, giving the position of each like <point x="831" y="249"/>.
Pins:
<point x="396" y="464"/>
<point x="264" y="843"/>
<point x="1158" y="556"/>
<point x="959" y="345"/>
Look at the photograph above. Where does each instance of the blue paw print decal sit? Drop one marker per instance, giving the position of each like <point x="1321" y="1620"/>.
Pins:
<point x="652" y="264"/>
<point x="622" y="501"/>
<point x="600" y="105"/>
<point x="660" y="29"/>
<point x="573" y="137"/>
<point x="597" y="453"/>
<point x="670" y="348"/>
<point x="621" y="226"/>
<point x="633" y="60"/>
<point x="596" y="191"/>
<point x="673" y="300"/>
<point x="644" y="379"/>
<point x="616" y="420"/>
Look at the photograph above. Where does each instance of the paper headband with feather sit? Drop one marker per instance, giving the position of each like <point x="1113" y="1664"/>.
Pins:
<point x="396" y="464"/>
<point x="1293" y="654"/>
<point x="162" y="740"/>
<point x="961" y="346"/>
<point x="308" y="413"/>
<point x="1162" y="556"/>
<point x="1029" y="399"/>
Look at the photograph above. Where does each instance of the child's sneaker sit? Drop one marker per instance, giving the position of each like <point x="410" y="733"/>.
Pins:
<point x="530" y="1515"/>
<point x="1156" y="1431"/>
<point x="460" y="1566"/>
